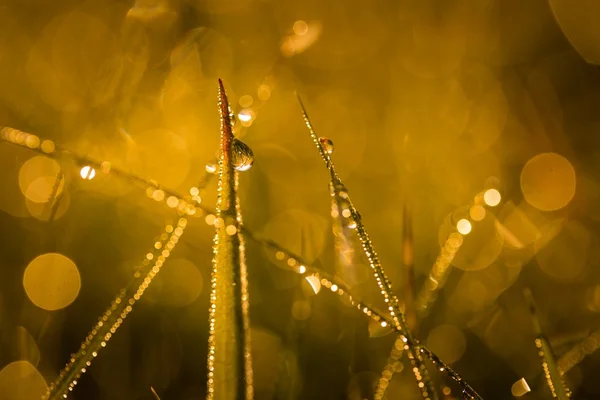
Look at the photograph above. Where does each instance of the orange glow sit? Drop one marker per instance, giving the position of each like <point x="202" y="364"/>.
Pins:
<point x="548" y="182"/>
<point x="477" y="213"/>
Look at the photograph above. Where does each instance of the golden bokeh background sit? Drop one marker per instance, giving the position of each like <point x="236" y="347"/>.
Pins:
<point x="480" y="116"/>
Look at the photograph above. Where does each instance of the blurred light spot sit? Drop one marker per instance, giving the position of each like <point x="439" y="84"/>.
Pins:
<point x="172" y="201"/>
<point x="446" y="390"/>
<point x="301" y="310"/>
<point x="158" y="195"/>
<point x="231" y="230"/>
<point x="177" y="285"/>
<point x="548" y="182"/>
<point x="37" y="178"/>
<point x="477" y="212"/>
<point x="565" y="256"/>
<point x="87" y="172"/>
<point x="579" y="23"/>
<point x="298" y="43"/>
<point x="51" y="281"/>
<point x="246" y="116"/>
<point x="463" y="226"/>
<point x="448" y="342"/>
<point x="520" y="388"/>
<point x="314" y="283"/>
<point x="302" y="269"/>
<point x="32" y="141"/>
<point x="20" y="380"/>
<point x="246" y="101"/>
<point x="300" y="28"/>
<point x="48" y="146"/>
<point x="264" y="92"/>
<point x="492" y="197"/>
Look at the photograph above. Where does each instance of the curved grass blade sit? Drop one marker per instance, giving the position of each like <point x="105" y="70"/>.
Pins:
<point x="114" y="316"/>
<point x="399" y="320"/>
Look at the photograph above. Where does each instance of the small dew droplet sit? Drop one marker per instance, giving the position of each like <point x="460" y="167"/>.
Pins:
<point x="211" y="168"/>
<point x="242" y="156"/>
<point x="327" y="144"/>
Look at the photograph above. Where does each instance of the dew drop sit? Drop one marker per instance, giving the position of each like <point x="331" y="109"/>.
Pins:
<point x="211" y="168"/>
<point x="327" y="145"/>
<point x="351" y="223"/>
<point x="232" y="117"/>
<point x="242" y="157"/>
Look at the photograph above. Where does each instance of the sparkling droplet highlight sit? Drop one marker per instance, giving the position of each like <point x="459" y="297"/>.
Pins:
<point x="327" y="144"/>
<point x="242" y="156"/>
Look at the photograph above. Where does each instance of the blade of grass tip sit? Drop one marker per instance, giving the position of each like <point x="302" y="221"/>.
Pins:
<point x="416" y="359"/>
<point x="553" y="377"/>
<point x="408" y="289"/>
<point x="154" y="393"/>
<point x="114" y="316"/>
<point x="229" y="357"/>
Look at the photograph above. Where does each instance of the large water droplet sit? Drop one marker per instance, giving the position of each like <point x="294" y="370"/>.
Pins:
<point x="327" y="144"/>
<point x="242" y="157"/>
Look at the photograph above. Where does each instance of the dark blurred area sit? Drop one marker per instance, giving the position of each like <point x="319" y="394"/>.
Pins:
<point x="428" y="103"/>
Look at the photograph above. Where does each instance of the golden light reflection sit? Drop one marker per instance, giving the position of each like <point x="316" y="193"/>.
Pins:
<point x="492" y="197"/>
<point x="314" y="282"/>
<point x="87" y="172"/>
<point x="37" y="178"/>
<point x="304" y="36"/>
<point x="520" y="388"/>
<point x="448" y="342"/>
<point x="20" y="380"/>
<point x="463" y="226"/>
<point x="548" y="181"/>
<point x="51" y="281"/>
